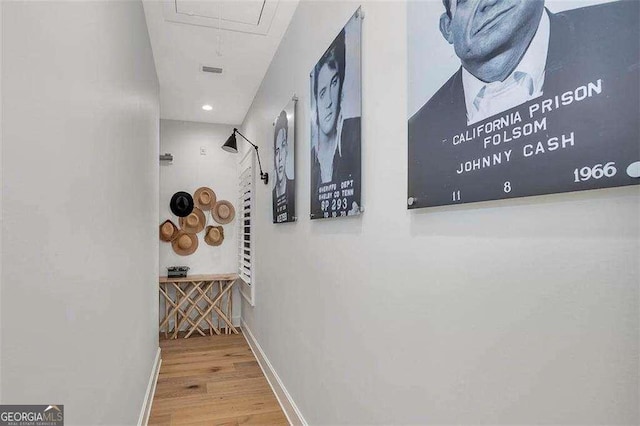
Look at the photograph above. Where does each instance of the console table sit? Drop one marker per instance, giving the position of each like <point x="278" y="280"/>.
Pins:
<point x="191" y="301"/>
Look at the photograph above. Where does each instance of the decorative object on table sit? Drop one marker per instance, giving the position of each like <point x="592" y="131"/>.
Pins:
<point x="185" y="244"/>
<point x="336" y="107"/>
<point x="284" y="185"/>
<point x="204" y="198"/>
<point x="223" y="212"/>
<point x="168" y="231"/>
<point x="214" y="235"/>
<point x="231" y="145"/>
<point x="177" y="271"/>
<point x="193" y="223"/>
<point x="181" y="204"/>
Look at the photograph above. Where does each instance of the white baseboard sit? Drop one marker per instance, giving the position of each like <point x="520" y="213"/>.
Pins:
<point x="294" y="416"/>
<point x="151" y="390"/>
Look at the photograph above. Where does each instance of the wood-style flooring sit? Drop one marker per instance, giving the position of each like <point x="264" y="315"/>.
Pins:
<point x="213" y="380"/>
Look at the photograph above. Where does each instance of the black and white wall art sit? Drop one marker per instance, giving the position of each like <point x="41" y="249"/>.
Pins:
<point x="514" y="98"/>
<point x="336" y="106"/>
<point x="284" y="189"/>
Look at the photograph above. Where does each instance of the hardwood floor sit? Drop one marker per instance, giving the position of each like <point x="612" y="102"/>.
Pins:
<point x="213" y="380"/>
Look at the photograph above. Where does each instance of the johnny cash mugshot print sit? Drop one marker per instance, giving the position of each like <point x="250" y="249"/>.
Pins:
<point x="515" y="98"/>
<point x="284" y="191"/>
<point x="335" y="84"/>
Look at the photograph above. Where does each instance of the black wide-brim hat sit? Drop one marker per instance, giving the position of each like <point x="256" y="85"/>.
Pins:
<point x="181" y="204"/>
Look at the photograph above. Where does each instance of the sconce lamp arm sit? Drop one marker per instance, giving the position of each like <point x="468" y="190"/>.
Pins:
<point x="263" y="176"/>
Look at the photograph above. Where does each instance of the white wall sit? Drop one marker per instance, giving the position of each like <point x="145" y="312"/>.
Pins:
<point x="1" y="8"/>
<point x="508" y="312"/>
<point x="80" y="187"/>
<point x="189" y="171"/>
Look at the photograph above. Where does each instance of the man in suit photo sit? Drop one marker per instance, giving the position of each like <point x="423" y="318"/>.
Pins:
<point x="335" y="151"/>
<point x="507" y="48"/>
<point x="502" y="46"/>
<point x="514" y="53"/>
<point x="284" y="203"/>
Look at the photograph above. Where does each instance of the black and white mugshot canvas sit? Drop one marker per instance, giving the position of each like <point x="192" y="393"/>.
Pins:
<point x="515" y="98"/>
<point x="284" y="173"/>
<point x="336" y="105"/>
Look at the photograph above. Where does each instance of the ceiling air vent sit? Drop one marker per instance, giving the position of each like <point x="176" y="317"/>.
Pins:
<point x="213" y="70"/>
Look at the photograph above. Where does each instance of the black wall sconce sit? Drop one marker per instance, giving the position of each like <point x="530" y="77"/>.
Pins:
<point x="231" y="145"/>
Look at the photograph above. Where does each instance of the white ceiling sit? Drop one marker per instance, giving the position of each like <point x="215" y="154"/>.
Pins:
<point x="239" y="36"/>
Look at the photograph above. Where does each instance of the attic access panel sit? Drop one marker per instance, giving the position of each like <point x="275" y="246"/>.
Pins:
<point x="248" y="16"/>
<point x="243" y="12"/>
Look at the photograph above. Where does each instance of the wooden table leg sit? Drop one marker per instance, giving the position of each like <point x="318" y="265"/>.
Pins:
<point x="229" y="307"/>
<point x="211" y="295"/>
<point x="204" y="316"/>
<point x="160" y="318"/>
<point x="213" y="306"/>
<point x="172" y="311"/>
<point x="168" y="302"/>
<point x="192" y="304"/>
<point x="205" y="297"/>
<point x="188" y="295"/>
<point x="177" y="310"/>
<point x="176" y="328"/>
<point x="218" y="306"/>
<point x="166" y="312"/>
<point x="219" y="292"/>
<point x="222" y="308"/>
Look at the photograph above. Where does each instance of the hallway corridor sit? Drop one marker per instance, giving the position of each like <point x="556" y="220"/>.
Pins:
<point x="212" y="380"/>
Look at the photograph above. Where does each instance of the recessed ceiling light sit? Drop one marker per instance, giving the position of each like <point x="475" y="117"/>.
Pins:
<point x="207" y="107"/>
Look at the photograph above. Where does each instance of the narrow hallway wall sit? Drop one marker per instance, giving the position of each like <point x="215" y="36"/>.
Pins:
<point x="80" y="208"/>
<point x="520" y="311"/>
<point x="1" y="8"/>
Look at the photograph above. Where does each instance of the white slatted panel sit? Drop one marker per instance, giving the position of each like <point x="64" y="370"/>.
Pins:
<point x="246" y="241"/>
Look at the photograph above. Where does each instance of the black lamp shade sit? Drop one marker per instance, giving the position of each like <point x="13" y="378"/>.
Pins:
<point x="231" y="145"/>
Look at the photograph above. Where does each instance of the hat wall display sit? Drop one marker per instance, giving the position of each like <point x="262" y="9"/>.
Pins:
<point x="194" y="222"/>
<point x="185" y="244"/>
<point x="214" y="235"/>
<point x="181" y="204"/>
<point x="168" y="231"/>
<point x="223" y="212"/>
<point x="204" y="198"/>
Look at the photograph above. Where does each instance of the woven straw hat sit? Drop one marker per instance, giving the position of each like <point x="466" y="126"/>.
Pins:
<point x="214" y="235"/>
<point x="223" y="212"/>
<point x="185" y="244"/>
<point x="193" y="223"/>
<point x="168" y="231"/>
<point x="204" y="198"/>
